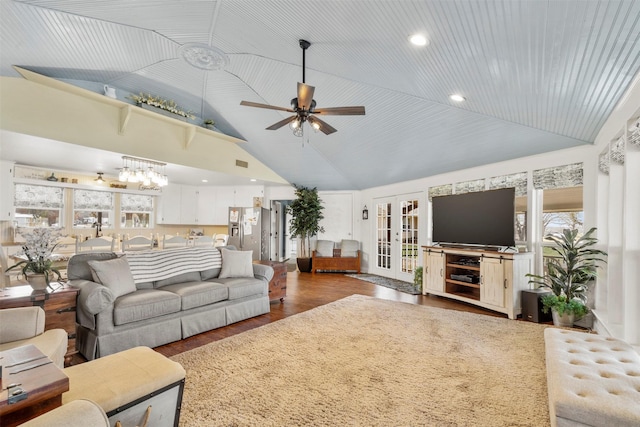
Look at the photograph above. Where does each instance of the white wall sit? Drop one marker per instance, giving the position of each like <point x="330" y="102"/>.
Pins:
<point x="602" y="204"/>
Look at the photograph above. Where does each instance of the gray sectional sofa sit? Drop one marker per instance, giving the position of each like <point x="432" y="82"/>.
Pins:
<point x="151" y="298"/>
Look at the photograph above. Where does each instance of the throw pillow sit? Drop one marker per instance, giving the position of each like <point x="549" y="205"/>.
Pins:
<point x="114" y="274"/>
<point x="236" y="263"/>
<point x="349" y="248"/>
<point x="324" y="248"/>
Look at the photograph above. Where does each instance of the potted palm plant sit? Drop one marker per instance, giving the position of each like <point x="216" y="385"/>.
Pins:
<point x="306" y="214"/>
<point x="569" y="275"/>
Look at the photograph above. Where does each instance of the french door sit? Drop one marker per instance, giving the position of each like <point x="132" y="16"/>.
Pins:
<point x="396" y="236"/>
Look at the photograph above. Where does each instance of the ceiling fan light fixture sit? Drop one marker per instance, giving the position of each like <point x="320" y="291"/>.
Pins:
<point x="418" y="40"/>
<point x="315" y="126"/>
<point x="298" y="132"/>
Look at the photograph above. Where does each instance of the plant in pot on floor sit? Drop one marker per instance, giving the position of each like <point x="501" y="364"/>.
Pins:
<point x="306" y="214"/>
<point x="38" y="248"/>
<point x="569" y="274"/>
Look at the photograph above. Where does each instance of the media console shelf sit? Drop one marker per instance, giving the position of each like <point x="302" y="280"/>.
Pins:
<point x="486" y="278"/>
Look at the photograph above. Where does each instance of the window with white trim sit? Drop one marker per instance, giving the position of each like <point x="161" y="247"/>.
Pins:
<point x="136" y="211"/>
<point x="91" y="207"/>
<point x="38" y="205"/>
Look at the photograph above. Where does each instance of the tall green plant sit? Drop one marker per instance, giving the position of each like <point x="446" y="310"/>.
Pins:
<point x="575" y="266"/>
<point x="306" y="214"/>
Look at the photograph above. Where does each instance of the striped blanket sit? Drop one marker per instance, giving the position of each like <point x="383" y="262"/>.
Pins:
<point x="151" y="266"/>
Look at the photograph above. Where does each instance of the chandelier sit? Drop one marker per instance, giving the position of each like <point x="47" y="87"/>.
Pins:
<point x="150" y="174"/>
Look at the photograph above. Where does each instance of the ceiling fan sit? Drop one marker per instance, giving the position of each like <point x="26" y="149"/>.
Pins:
<point x="304" y="107"/>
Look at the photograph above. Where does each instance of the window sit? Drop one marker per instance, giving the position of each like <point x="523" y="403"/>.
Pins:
<point x="38" y="205"/>
<point x="136" y="211"/>
<point x="92" y="207"/>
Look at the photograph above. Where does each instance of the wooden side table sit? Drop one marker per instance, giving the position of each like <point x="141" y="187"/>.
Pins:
<point x="277" y="285"/>
<point x="59" y="307"/>
<point x="41" y="383"/>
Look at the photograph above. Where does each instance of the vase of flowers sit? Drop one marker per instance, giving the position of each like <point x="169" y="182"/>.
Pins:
<point x="38" y="248"/>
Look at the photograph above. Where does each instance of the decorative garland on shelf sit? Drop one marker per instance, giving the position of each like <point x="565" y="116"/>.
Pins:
<point x="163" y="104"/>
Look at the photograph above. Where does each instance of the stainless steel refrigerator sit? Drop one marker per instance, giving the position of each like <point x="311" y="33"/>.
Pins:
<point x="246" y="229"/>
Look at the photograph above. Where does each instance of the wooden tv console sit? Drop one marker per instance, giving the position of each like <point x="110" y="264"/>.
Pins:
<point x="489" y="279"/>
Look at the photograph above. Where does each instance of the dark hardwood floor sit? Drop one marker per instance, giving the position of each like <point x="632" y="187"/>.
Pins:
<point x="304" y="292"/>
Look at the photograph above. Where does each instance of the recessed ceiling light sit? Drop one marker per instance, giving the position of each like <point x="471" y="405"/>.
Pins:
<point x="456" y="97"/>
<point x="418" y="40"/>
<point x="253" y="180"/>
<point x="205" y="180"/>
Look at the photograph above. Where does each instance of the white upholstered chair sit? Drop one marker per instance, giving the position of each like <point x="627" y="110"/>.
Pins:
<point x="25" y="325"/>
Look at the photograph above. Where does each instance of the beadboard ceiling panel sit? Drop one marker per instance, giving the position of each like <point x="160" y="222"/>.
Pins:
<point x="537" y="75"/>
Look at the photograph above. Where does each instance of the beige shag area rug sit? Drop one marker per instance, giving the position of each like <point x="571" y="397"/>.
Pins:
<point x="363" y="361"/>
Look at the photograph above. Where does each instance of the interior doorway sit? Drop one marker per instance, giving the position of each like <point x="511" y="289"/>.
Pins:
<point x="281" y="246"/>
<point x="397" y="231"/>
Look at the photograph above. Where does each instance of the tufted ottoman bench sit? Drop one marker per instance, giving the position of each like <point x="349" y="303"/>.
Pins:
<point x="136" y="387"/>
<point x="592" y="380"/>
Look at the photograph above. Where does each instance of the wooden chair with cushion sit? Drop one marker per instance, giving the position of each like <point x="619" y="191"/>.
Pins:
<point x="170" y="241"/>
<point x="96" y="244"/>
<point x="221" y="239"/>
<point x="9" y="278"/>
<point x="137" y="243"/>
<point x="203" y="241"/>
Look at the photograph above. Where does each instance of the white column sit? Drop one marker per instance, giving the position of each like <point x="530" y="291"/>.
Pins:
<point x="631" y="246"/>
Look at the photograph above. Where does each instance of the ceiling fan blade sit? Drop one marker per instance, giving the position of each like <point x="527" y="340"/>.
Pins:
<point x="269" y="107"/>
<point x="282" y="123"/>
<point x="305" y="95"/>
<point x="325" y="127"/>
<point x="341" y="111"/>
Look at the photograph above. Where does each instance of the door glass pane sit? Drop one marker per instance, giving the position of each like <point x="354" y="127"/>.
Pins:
<point x="409" y="209"/>
<point x="383" y="231"/>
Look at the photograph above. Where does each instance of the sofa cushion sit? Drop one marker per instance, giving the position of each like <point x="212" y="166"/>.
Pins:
<point x="324" y="248"/>
<point x="78" y="269"/>
<point x="144" y="304"/>
<point x="349" y="248"/>
<point x="211" y="273"/>
<point x="114" y="274"/>
<point x="243" y="287"/>
<point x="236" y="264"/>
<point x="197" y="294"/>
<point x="193" y="276"/>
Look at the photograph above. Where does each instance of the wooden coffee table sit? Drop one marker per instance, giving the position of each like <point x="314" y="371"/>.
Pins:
<point x="40" y="379"/>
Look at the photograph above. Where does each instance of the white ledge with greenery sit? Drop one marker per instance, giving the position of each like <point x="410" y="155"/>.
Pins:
<point x="163" y="104"/>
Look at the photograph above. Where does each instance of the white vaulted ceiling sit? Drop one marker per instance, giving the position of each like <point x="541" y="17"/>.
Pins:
<point x="537" y="75"/>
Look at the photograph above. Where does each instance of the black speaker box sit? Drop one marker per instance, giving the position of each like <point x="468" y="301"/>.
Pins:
<point x="532" y="306"/>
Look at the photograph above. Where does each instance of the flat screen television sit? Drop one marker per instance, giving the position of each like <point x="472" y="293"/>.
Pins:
<point x="483" y="218"/>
